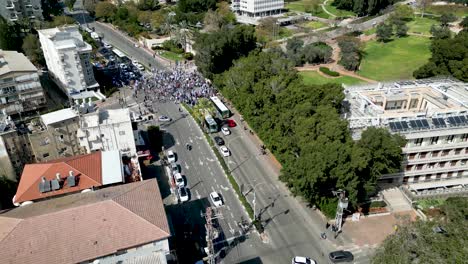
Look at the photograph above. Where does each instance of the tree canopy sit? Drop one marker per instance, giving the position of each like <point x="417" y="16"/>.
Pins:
<point x="424" y="242"/>
<point x="351" y="52"/>
<point x="449" y="57"/>
<point x="301" y="125"/>
<point x="217" y="50"/>
<point x="363" y="7"/>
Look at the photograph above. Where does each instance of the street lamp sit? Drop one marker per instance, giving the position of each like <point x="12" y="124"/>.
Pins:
<point x="342" y="205"/>
<point x="255" y="199"/>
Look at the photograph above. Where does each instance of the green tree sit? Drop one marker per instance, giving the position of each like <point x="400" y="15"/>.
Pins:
<point x="60" y="21"/>
<point x="447" y="18"/>
<point x="8" y="190"/>
<point x="32" y="48"/>
<point x="402" y="12"/>
<point x="217" y="50"/>
<point x="90" y="6"/>
<point x="196" y="6"/>
<point x="144" y="17"/>
<point x="9" y="36"/>
<point x="311" y="6"/>
<point x="51" y="8"/>
<point x="148" y="5"/>
<point x="440" y="32"/>
<point x="464" y="23"/>
<point x="267" y="30"/>
<point x="317" y="53"/>
<point x="384" y="32"/>
<point x="351" y="52"/>
<point x="70" y="4"/>
<point x="105" y="10"/>
<point x="201" y="109"/>
<point x="401" y="30"/>
<point x="423" y="4"/>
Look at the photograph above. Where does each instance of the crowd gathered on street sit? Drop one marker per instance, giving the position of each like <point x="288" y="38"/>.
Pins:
<point x="175" y="85"/>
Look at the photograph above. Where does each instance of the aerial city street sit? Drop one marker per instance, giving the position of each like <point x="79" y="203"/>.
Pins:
<point x="253" y="132"/>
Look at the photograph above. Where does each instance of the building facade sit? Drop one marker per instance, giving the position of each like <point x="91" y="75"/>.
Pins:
<point x="68" y="59"/>
<point x="15" y="152"/>
<point x="257" y="8"/>
<point x="433" y="116"/>
<point x="20" y="89"/>
<point x="54" y="136"/>
<point x="15" y="10"/>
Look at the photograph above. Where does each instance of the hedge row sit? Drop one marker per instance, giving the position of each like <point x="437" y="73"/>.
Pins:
<point x="329" y="72"/>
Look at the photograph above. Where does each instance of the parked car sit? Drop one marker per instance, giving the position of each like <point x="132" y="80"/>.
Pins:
<point x="107" y="45"/>
<point x="123" y="66"/>
<point x="341" y="256"/>
<point x="219" y="140"/>
<point x="140" y="67"/>
<point x="216" y="199"/>
<point x="225" y="131"/>
<point x="179" y="180"/>
<point x="303" y="260"/>
<point x="164" y="118"/>
<point x="231" y="123"/>
<point x="112" y="58"/>
<point x="175" y="168"/>
<point x="171" y="156"/>
<point x="225" y="151"/>
<point x="183" y="194"/>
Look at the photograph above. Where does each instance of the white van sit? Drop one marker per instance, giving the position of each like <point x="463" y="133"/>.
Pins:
<point x="94" y="35"/>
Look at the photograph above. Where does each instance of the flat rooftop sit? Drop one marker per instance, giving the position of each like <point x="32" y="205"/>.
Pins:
<point x="408" y="105"/>
<point x="12" y="61"/>
<point x="58" y="116"/>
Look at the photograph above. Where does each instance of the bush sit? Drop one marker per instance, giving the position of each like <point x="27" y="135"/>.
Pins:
<point x="376" y="204"/>
<point x="188" y="56"/>
<point x="171" y="45"/>
<point x="329" y="72"/>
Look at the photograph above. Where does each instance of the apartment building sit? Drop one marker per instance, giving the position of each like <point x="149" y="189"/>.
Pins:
<point x="16" y="10"/>
<point x="53" y="136"/>
<point x="257" y="8"/>
<point x="433" y="116"/>
<point x="68" y="59"/>
<point x="20" y="89"/>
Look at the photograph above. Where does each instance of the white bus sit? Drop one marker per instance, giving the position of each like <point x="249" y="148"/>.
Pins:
<point x="223" y="111"/>
<point x="118" y="53"/>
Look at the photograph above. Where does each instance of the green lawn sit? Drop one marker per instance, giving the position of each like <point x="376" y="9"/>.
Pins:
<point x="313" y="77"/>
<point x="421" y="25"/>
<point x="394" y="60"/>
<point x="370" y="31"/>
<point x="171" y="55"/>
<point x="338" y="12"/>
<point x="315" y="24"/>
<point x="299" y="6"/>
<point x="459" y="10"/>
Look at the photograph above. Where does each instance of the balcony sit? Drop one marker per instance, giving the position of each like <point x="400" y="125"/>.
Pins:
<point x="10" y="5"/>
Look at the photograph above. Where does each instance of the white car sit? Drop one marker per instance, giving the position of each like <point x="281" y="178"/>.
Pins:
<point x="164" y="118"/>
<point x="140" y="67"/>
<point x="225" y="131"/>
<point x="171" y="156"/>
<point x="135" y="62"/>
<point x="174" y="168"/>
<point x="303" y="260"/>
<point x="225" y="151"/>
<point x="216" y="199"/>
<point x="179" y="180"/>
<point x="112" y="58"/>
<point x="123" y="66"/>
<point x="87" y="29"/>
<point x="183" y="194"/>
<point x="136" y="45"/>
<point x="107" y="45"/>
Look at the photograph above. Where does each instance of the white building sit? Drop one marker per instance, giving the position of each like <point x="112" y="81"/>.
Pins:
<point x="20" y="88"/>
<point x="257" y="8"/>
<point x="68" y="59"/>
<point x="107" y="130"/>
<point x="433" y="116"/>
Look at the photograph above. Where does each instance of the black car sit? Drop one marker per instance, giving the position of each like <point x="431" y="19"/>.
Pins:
<point x="219" y="141"/>
<point x="341" y="256"/>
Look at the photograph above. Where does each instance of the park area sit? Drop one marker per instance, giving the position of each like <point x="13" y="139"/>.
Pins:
<point x="313" y="77"/>
<point x="421" y="25"/>
<point x="302" y="5"/>
<point x="394" y="60"/>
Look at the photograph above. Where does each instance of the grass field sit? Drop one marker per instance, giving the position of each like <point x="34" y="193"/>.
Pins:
<point x="171" y="55"/>
<point x="421" y="25"/>
<point x="459" y="10"/>
<point x="338" y="12"/>
<point x="370" y="31"/>
<point x="394" y="60"/>
<point x="299" y="6"/>
<point x="315" y="24"/>
<point x="313" y="77"/>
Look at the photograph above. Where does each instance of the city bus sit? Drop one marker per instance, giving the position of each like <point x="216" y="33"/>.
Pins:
<point x="222" y="110"/>
<point x="210" y="124"/>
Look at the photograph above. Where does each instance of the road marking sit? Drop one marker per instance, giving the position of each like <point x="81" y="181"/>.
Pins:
<point x="186" y="165"/>
<point x="198" y="195"/>
<point x="214" y="179"/>
<point x="231" y="229"/>
<point x="231" y="162"/>
<point x="224" y="188"/>
<point x="212" y="188"/>
<point x="232" y="215"/>
<point x="201" y="162"/>
<point x="210" y="160"/>
<point x="177" y="143"/>
<point x="227" y="206"/>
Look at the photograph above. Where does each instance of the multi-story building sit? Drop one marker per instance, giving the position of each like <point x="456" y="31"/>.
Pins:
<point x="68" y="59"/>
<point x="15" y="10"/>
<point x="54" y="135"/>
<point x="433" y="116"/>
<point x="20" y="88"/>
<point x="257" y="8"/>
<point x="107" y="130"/>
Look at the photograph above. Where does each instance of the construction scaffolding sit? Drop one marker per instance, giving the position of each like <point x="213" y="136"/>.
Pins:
<point x="212" y="233"/>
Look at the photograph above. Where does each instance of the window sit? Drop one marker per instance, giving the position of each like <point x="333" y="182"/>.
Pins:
<point x="428" y="177"/>
<point x="442" y="164"/>
<point x="438" y="176"/>
<point x="464" y="137"/>
<point x="459" y="174"/>
<point x="434" y="140"/>
<point x="419" y="167"/>
<point x="453" y="163"/>
<point x="102" y="135"/>
<point x="435" y="153"/>
<point x="61" y="138"/>
<point x="418" y="141"/>
<point x="431" y="165"/>
<point x="405" y="179"/>
<point x="411" y="156"/>
<point x="416" y="178"/>
<point x="463" y="162"/>
<point x="122" y="133"/>
<point x="409" y="167"/>
<point x="449" y="175"/>
<point x="445" y="152"/>
<point x="458" y="151"/>
<point x="45" y="155"/>
<point x="450" y="138"/>
<point x="422" y="155"/>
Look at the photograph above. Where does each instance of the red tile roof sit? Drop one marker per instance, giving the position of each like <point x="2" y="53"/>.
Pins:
<point x="86" y="167"/>
<point x="84" y="226"/>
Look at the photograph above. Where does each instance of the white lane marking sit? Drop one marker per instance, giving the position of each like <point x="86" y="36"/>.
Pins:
<point x="214" y="179"/>
<point x="178" y="143"/>
<point x="198" y="195"/>
<point x="231" y="229"/>
<point x="210" y="160"/>
<point x="186" y="165"/>
<point x="200" y="162"/>
<point x="232" y="215"/>
<point x="227" y="206"/>
<point x="231" y="162"/>
<point x="224" y="188"/>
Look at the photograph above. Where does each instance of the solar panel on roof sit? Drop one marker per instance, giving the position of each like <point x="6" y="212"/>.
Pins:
<point x="457" y="120"/>
<point x="398" y="125"/>
<point x="425" y="123"/>
<point x="451" y="121"/>
<point x="71" y="181"/>
<point x="47" y="186"/>
<point x="419" y="123"/>
<point x="392" y="126"/>
<point x="463" y="119"/>
<point x="55" y="184"/>
<point x="435" y="121"/>
<point x="404" y="124"/>
<point x="413" y="124"/>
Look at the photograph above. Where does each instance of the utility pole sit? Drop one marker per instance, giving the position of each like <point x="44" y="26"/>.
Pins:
<point x="342" y="205"/>
<point x="211" y="233"/>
